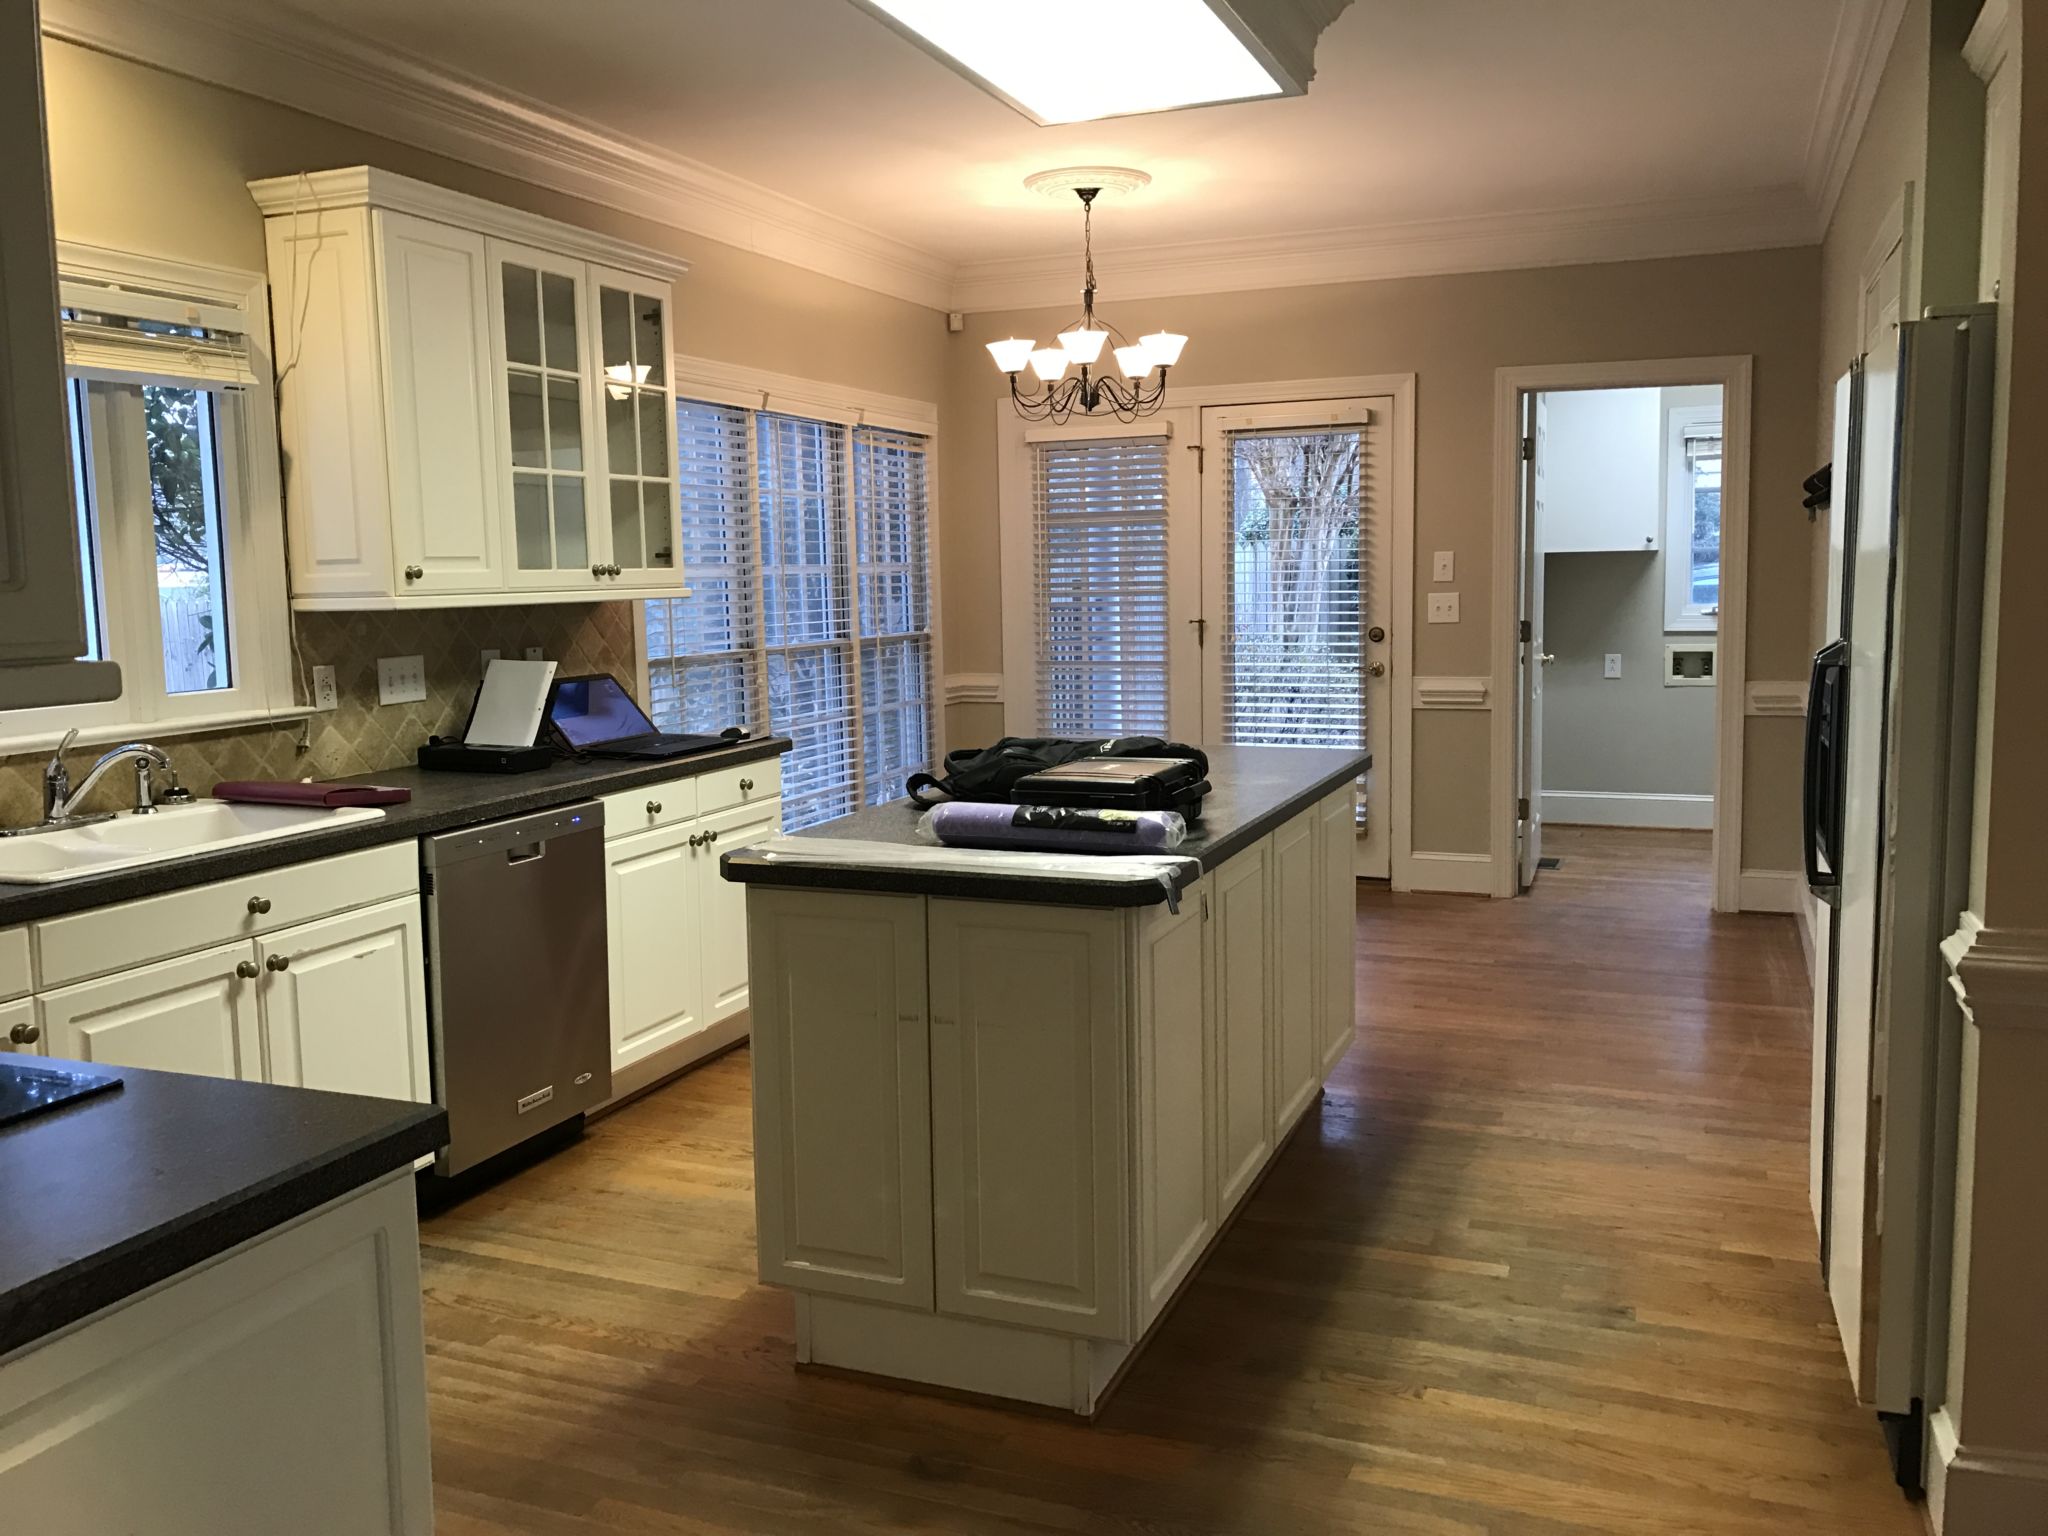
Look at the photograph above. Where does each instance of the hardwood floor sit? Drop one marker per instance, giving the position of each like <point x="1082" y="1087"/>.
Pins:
<point x="1541" y="1263"/>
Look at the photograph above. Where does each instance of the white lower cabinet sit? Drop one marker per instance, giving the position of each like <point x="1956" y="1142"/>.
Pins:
<point x="1336" y="947"/>
<point x="1175" y="1065"/>
<point x="343" y="1006"/>
<point x="722" y="907"/>
<point x="651" y="889"/>
<point x="1242" y="960"/>
<point x="1298" y="1031"/>
<point x="194" y="1014"/>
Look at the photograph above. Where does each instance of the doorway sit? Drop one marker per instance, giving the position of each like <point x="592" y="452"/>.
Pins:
<point x="1623" y="508"/>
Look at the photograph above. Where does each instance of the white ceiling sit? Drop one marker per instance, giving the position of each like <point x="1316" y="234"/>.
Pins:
<point x="1437" y="133"/>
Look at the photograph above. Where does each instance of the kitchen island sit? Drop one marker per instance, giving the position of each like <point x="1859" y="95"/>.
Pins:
<point x="1002" y="1111"/>
<point x="210" y="1311"/>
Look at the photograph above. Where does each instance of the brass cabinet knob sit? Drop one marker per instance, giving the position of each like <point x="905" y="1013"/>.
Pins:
<point x="25" y="1034"/>
<point x="413" y="573"/>
<point x="246" y="969"/>
<point x="597" y="571"/>
<point x="654" y="807"/>
<point x="711" y="836"/>
<point x="746" y="786"/>
<point x="278" y="963"/>
<point x="259" y="905"/>
<point x="696" y="839"/>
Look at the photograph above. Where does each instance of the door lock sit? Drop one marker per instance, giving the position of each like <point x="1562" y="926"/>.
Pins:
<point x="1376" y="634"/>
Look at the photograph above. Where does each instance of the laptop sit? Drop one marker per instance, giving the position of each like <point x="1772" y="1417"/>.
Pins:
<point x="595" y="716"/>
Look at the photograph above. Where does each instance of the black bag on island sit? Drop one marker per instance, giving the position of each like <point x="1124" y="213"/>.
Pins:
<point x="992" y="773"/>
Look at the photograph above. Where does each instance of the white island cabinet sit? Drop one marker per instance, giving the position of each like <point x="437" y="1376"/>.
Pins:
<point x="993" y="1138"/>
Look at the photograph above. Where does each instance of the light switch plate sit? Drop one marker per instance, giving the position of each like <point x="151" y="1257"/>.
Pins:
<point x="1613" y="666"/>
<point x="401" y="679"/>
<point x="323" y="688"/>
<point x="1442" y="567"/>
<point x="1443" y="607"/>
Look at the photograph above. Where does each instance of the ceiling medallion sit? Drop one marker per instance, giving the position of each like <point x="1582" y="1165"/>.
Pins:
<point x="1056" y="397"/>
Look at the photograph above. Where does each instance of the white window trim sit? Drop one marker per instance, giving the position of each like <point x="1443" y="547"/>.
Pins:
<point x="1680" y="616"/>
<point x="252" y="521"/>
<point x="758" y="389"/>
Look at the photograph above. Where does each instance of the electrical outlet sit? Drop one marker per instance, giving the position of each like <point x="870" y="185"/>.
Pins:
<point x="323" y="688"/>
<point x="1613" y="667"/>
<point x="533" y="653"/>
<point x="1443" y="607"/>
<point x="489" y="654"/>
<point x="401" y="679"/>
<point x="1441" y="569"/>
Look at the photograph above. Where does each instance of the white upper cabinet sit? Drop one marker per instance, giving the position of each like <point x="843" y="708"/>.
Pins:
<point x="477" y="404"/>
<point x="1603" y="483"/>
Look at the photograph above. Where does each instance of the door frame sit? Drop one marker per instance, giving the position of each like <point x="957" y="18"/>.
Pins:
<point x="1733" y="374"/>
<point x="1018" y="687"/>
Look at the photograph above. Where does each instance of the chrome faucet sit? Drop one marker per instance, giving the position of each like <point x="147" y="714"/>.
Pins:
<point x="59" y="797"/>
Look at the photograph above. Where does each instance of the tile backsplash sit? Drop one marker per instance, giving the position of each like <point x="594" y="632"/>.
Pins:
<point x="360" y="735"/>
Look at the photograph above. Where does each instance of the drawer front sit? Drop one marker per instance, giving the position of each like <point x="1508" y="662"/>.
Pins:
<point x="653" y="805"/>
<point x="749" y="782"/>
<point x="157" y="927"/>
<point x="15" y="980"/>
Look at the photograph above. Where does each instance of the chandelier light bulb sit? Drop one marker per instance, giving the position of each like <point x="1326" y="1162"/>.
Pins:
<point x="1135" y="361"/>
<point x="1011" y="355"/>
<point x="1164" y="347"/>
<point x="1049" y="363"/>
<point x="1083" y="345"/>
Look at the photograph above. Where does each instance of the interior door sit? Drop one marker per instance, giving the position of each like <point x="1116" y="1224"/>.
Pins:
<point x="1529" y="774"/>
<point x="1295" y="569"/>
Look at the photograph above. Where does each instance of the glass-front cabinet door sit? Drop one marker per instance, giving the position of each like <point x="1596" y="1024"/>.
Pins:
<point x="539" y="340"/>
<point x="637" y="446"/>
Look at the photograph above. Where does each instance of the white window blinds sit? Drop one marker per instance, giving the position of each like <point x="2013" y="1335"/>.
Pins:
<point x="124" y="336"/>
<point x="807" y="549"/>
<point x="1099" y="536"/>
<point x="1295" y="572"/>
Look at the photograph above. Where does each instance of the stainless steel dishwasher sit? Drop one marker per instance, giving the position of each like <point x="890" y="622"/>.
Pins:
<point x="518" y="981"/>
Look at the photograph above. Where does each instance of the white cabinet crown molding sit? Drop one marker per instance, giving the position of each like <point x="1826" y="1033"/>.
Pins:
<point x="365" y="186"/>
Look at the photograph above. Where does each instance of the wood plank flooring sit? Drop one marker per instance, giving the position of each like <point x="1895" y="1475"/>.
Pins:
<point x="1540" y="1264"/>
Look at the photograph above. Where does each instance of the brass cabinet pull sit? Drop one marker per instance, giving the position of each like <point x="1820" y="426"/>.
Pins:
<point x="246" y="969"/>
<point x="746" y="786"/>
<point x="259" y="905"/>
<point x="597" y="571"/>
<point x="25" y="1034"/>
<point x="413" y="573"/>
<point x="278" y="963"/>
<point x="654" y="807"/>
<point x="711" y="836"/>
<point x="696" y="839"/>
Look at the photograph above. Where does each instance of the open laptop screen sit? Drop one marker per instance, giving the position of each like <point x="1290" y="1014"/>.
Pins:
<point x="590" y="711"/>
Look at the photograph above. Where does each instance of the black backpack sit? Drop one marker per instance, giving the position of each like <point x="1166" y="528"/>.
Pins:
<point x="988" y="773"/>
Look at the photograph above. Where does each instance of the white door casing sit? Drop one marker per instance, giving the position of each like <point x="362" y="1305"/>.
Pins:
<point x="1529" y="794"/>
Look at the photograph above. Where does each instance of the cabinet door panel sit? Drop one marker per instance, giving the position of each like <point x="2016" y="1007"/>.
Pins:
<point x="722" y="906"/>
<point x="1028" y="1115"/>
<point x="1176" y="1084"/>
<point x="441" y="431"/>
<point x="1242" y="955"/>
<point x="348" y="1012"/>
<point x="1298" y="1031"/>
<point x="842" y="1093"/>
<point x="189" y="1015"/>
<point x="652" y="884"/>
<point x="637" y="446"/>
<point x="1337" y="924"/>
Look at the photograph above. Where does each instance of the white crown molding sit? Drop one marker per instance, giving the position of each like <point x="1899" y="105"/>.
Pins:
<point x="1775" y="699"/>
<point x="1452" y="692"/>
<point x="974" y="688"/>
<point x="1486" y="243"/>
<point x="284" y="55"/>
<point x="1864" y="33"/>
<point x="1990" y="39"/>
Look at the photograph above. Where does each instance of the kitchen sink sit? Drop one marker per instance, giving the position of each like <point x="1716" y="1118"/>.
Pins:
<point x="171" y="832"/>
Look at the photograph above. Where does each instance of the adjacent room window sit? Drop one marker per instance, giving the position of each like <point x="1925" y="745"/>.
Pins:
<point x="1099" y="542"/>
<point x="1692" y="581"/>
<point x="184" y="582"/>
<point x="806" y="545"/>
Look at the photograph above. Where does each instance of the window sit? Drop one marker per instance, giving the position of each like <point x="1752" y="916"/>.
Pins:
<point x="1692" y="559"/>
<point x="174" y="485"/>
<point x="1099" y="542"/>
<point x="806" y="544"/>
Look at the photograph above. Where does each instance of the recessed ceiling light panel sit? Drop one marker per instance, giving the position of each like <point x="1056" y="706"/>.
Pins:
<point x="1071" y="61"/>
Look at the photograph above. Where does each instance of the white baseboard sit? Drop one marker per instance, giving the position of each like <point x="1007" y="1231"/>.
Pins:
<point x="1462" y="874"/>
<point x="1776" y="890"/>
<point x="1972" y="1491"/>
<point x="1595" y="808"/>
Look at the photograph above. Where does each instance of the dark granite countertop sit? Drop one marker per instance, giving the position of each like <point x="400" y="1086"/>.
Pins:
<point x="1255" y="789"/>
<point x="105" y="1197"/>
<point x="439" y="801"/>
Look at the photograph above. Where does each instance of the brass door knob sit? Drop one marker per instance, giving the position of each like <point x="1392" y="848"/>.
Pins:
<point x="246" y="969"/>
<point x="1546" y="658"/>
<point x="259" y="905"/>
<point x="1377" y="668"/>
<point x="278" y="963"/>
<point x="25" y="1034"/>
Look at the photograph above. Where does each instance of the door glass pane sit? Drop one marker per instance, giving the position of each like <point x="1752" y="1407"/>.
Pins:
<point x="653" y="435"/>
<point x="528" y="428"/>
<point x="191" y="580"/>
<point x="88" y="529"/>
<point x="626" y="523"/>
<point x="650" y="346"/>
<point x="1705" y="585"/>
<point x="530" y="522"/>
<point x="565" y="424"/>
<point x="558" y="306"/>
<point x="621" y="438"/>
<point x="1293" y="633"/>
<point x="615" y="320"/>
<point x="660" y="537"/>
<point x="522" y="314"/>
<point x="572" y="547"/>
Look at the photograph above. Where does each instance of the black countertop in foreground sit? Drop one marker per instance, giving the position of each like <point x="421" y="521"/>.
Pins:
<point x="103" y="1198"/>
<point x="1254" y="790"/>
<point x="439" y="802"/>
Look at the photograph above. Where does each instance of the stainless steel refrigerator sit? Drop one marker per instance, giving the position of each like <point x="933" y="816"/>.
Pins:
<point x="1890" y="735"/>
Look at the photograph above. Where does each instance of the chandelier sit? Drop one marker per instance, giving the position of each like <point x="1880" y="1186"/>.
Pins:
<point x="1054" y="396"/>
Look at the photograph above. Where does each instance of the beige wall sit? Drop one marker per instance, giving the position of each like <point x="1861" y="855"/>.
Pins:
<point x="1453" y="333"/>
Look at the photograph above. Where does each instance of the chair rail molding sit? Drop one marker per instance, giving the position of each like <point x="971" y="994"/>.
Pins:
<point x="1999" y="975"/>
<point x="1453" y="693"/>
<point x="974" y="688"/>
<point x="1775" y="698"/>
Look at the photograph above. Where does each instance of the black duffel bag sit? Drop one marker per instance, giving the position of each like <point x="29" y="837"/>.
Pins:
<point x="988" y="773"/>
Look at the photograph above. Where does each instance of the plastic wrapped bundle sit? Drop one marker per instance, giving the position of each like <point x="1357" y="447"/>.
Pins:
<point x="1053" y="828"/>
